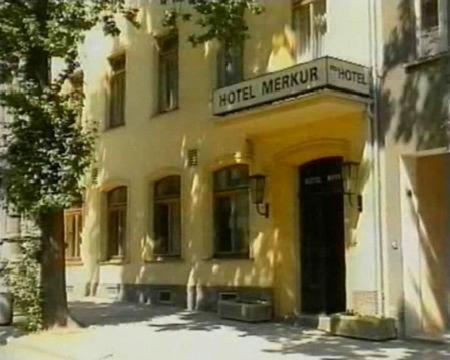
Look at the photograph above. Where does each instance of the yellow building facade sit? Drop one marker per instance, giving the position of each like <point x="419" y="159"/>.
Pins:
<point x="169" y="216"/>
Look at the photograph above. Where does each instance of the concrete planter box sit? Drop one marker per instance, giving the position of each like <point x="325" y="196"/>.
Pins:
<point x="250" y="311"/>
<point x="363" y="327"/>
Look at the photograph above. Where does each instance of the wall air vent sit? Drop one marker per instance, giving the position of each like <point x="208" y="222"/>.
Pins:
<point x="165" y="297"/>
<point x="192" y="157"/>
<point x="229" y="296"/>
<point x="94" y="176"/>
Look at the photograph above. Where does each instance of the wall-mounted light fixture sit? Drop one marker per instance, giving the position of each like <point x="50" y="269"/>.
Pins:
<point x="257" y="188"/>
<point x="349" y="173"/>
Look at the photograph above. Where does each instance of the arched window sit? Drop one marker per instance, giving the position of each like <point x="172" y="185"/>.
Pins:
<point x="231" y="209"/>
<point x="167" y="216"/>
<point x="117" y="222"/>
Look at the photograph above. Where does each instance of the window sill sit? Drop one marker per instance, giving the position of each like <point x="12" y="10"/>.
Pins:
<point x="425" y="60"/>
<point x="114" y="261"/>
<point x="107" y="129"/>
<point x="159" y="113"/>
<point x="215" y="257"/>
<point x="73" y="262"/>
<point x="162" y="259"/>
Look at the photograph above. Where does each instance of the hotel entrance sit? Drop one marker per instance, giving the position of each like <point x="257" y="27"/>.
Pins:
<point x="322" y="244"/>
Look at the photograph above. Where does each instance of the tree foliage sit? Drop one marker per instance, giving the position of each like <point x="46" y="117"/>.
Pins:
<point x="47" y="151"/>
<point x="24" y="281"/>
<point x="222" y="20"/>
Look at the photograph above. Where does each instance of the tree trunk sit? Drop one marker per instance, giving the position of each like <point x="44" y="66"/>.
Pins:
<point x="53" y="276"/>
<point x="51" y="224"/>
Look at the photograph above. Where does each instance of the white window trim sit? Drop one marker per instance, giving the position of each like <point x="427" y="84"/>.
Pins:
<point x="443" y="29"/>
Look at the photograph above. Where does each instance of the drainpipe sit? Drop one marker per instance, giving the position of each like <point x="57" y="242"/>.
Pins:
<point x="374" y="117"/>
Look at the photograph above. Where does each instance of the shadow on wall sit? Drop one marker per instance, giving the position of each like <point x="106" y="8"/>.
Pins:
<point x="200" y="270"/>
<point x="414" y="96"/>
<point x="277" y="52"/>
<point x="94" y="119"/>
<point x="427" y="250"/>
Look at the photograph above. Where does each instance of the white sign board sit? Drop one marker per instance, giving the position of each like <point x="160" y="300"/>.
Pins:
<point x="296" y="80"/>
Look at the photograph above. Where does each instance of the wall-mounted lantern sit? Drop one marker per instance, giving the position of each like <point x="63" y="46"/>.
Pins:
<point x="257" y="188"/>
<point x="349" y="172"/>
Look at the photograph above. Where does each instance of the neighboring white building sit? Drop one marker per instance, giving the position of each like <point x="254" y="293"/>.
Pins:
<point x="413" y="132"/>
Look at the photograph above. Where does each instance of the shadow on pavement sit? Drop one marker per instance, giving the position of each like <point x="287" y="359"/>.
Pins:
<point x="107" y="313"/>
<point x="297" y="340"/>
<point x="281" y="338"/>
<point x="8" y="332"/>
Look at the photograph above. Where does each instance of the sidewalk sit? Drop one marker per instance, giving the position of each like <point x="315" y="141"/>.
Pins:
<point x="130" y="331"/>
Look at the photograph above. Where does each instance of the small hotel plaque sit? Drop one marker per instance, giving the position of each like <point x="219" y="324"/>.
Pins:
<point x="296" y="80"/>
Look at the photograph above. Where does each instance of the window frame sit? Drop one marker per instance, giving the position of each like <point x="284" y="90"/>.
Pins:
<point x="120" y="208"/>
<point x="77" y="213"/>
<point x="232" y="193"/>
<point x="313" y="52"/>
<point x="440" y="35"/>
<point x="222" y="79"/>
<point x="77" y="91"/>
<point x="77" y="82"/>
<point x="165" y="57"/>
<point x="116" y="76"/>
<point x="169" y="200"/>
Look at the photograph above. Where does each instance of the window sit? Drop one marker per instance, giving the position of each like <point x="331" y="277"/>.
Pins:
<point x="167" y="216"/>
<point x="76" y="83"/>
<point x="116" y="222"/>
<point x="310" y="26"/>
<point x="231" y="209"/>
<point x="73" y="225"/>
<point x="229" y="65"/>
<point x="168" y="73"/>
<point x="116" y="116"/>
<point x="432" y="31"/>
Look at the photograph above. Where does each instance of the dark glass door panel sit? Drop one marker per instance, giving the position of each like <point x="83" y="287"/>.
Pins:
<point x="322" y="237"/>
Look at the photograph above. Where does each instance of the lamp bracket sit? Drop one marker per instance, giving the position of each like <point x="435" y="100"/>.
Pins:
<point x="359" y="200"/>
<point x="265" y="211"/>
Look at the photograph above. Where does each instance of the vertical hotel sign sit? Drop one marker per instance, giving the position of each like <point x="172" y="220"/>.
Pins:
<point x="325" y="72"/>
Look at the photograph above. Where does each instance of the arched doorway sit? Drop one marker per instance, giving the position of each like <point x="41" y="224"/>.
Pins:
<point x="322" y="243"/>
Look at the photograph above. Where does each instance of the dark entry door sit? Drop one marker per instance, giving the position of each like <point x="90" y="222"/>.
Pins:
<point x="322" y="237"/>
